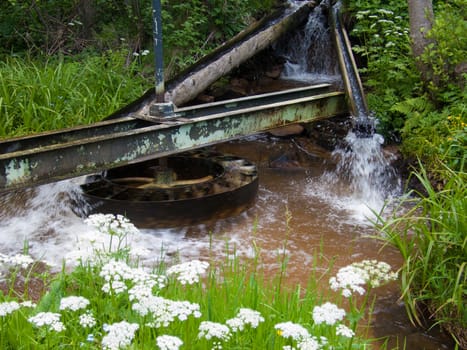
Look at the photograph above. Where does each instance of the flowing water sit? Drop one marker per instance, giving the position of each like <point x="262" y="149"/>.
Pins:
<point x="331" y="198"/>
<point x="327" y="217"/>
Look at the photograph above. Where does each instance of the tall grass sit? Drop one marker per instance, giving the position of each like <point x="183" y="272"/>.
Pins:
<point x="432" y="238"/>
<point x="54" y="93"/>
<point x="110" y="301"/>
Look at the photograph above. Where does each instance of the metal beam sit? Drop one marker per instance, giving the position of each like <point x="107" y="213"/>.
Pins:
<point x="53" y="162"/>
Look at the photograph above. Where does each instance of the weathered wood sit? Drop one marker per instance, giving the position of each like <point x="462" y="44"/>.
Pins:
<point x="234" y="52"/>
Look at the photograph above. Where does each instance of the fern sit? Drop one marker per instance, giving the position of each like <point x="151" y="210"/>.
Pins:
<point x="414" y="105"/>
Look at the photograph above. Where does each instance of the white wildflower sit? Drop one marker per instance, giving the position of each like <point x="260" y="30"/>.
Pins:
<point x="165" y="311"/>
<point x="168" y="342"/>
<point x="328" y="313"/>
<point x="8" y="307"/>
<point x="28" y="303"/>
<point x="350" y="279"/>
<point x="293" y="330"/>
<point x="144" y="52"/>
<point x="245" y="317"/>
<point x="310" y="343"/>
<point x="344" y="331"/>
<point x="119" y="335"/>
<point x="73" y="303"/>
<point x="189" y="272"/>
<point x="49" y="319"/>
<point x="111" y="224"/>
<point x="119" y="277"/>
<point x="210" y="330"/>
<point x="87" y="320"/>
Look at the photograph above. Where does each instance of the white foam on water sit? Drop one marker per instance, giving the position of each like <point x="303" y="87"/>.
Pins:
<point x="363" y="185"/>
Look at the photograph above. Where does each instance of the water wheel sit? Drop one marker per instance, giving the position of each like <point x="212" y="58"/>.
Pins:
<point x="174" y="191"/>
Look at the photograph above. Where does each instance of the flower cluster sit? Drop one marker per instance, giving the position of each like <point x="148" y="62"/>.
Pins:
<point x="189" y="272"/>
<point x="344" y="331"/>
<point x="73" y="303"/>
<point x="298" y="333"/>
<point x="168" y="342"/>
<point x="245" y="317"/>
<point x="8" y="307"/>
<point x="354" y="277"/>
<point x="165" y="311"/>
<point x="118" y="275"/>
<point x="213" y="330"/>
<point x="119" y="335"/>
<point x="328" y="313"/>
<point x="50" y="320"/>
<point x="379" y="272"/>
<point x="111" y="224"/>
<point x="87" y="320"/>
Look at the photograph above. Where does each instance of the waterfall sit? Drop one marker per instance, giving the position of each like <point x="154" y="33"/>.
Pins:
<point x="309" y="53"/>
<point x="363" y="180"/>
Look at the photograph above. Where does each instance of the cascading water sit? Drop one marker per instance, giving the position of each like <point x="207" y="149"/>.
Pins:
<point x="364" y="177"/>
<point x="315" y="37"/>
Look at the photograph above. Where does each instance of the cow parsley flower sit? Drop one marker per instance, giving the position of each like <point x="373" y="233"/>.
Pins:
<point x="168" y="342"/>
<point x="119" y="335"/>
<point x="165" y="311"/>
<point x="116" y="225"/>
<point x="87" y="320"/>
<point x="210" y="330"/>
<point x="310" y="343"/>
<point x="293" y="330"/>
<point x="8" y="307"/>
<point x="344" y="331"/>
<point x="73" y="303"/>
<point x="50" y="320"/>
<point x="245" y="317"/>
<point x="188" y="272"/>
<point x="379" y="272"/>
<point x="328" y="313"/>
<point x="119" y="277"/>
<point x="350" y="279"/>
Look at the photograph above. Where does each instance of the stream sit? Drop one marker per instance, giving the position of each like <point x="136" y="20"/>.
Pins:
<point x="296" y="177"/>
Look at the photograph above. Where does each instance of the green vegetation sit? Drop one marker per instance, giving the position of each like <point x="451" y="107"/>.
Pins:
<point x="429" y="119"/>
<point x="59" y="93"/>
<point x="431" y="237"/>
<point x="109" y="301"/>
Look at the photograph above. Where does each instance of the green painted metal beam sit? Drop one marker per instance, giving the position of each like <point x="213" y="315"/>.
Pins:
<point x="53" y="162"/>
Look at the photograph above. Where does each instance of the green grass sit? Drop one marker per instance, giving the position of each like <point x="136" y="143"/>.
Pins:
<point x="432" y="238"/>
<point x="112" y="289"/>
<point x="48" y="94"/>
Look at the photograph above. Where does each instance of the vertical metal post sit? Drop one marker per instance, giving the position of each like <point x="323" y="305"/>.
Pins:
<point x="158" y="56"/>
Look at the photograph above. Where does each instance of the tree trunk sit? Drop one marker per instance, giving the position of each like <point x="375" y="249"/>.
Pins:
<point x="230" y="55"/>
<point x="421" y="21"/>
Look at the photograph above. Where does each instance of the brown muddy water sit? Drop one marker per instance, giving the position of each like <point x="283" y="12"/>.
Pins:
<point x="328" y="216"/>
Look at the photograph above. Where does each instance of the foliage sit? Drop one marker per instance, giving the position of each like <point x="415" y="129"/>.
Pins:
<point x="446" y="54"/>
<point x="62" y="92"/>
<point x="190" y="29"/>
<point x="431" y="238"/>
<point x="109" y="301"/>
<point x="421" y="119"/>
<point x="382" y="42"/>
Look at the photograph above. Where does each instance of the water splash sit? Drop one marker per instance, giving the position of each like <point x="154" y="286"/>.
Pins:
<point x="364" y="182"/>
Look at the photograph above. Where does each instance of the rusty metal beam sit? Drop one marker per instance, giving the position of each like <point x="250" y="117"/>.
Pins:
<point x="55" y="161"/>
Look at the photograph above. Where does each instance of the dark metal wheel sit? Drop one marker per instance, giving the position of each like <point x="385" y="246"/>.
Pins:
<point x="175" y="191"/>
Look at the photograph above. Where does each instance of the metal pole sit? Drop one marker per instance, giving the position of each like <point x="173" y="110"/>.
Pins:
<point x="158" y="56"/>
